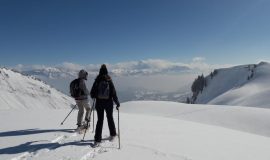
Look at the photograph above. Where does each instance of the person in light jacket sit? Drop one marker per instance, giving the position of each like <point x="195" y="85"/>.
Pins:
<point x="82" y="101"/>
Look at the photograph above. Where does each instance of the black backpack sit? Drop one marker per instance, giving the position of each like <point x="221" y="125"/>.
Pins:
<point x="103" y="90"/>
<point x="74" y="88"/>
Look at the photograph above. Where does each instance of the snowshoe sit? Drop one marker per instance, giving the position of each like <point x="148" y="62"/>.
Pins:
<point x="111" y="138"/>
<point x="95" y="144"/>
<point x="82" y="128"/>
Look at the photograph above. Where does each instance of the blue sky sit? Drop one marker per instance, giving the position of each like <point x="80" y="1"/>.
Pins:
<point x="97" y="31"/>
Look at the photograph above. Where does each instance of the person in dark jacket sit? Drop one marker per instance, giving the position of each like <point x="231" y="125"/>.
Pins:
<point x="104" y="103"/>
<point x="82" y="101"/>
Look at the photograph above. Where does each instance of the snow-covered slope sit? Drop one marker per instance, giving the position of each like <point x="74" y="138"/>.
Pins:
<point x="164" y="131"/>
<point x="25" y="92"/>
<point x="246" y="85"/>
<point x="247" y="119"/>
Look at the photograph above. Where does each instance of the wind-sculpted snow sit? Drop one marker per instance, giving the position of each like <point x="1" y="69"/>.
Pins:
<point x="18" y="91"/>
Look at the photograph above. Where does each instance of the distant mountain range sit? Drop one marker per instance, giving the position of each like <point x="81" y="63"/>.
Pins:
<point x="60" y="77"/>
<point x="133" y="68"/>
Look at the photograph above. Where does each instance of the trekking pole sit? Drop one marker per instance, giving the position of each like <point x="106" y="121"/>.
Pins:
<point x="93" y="118"/>
<point x="119" y="131"/>
<point x="68" y="114"/>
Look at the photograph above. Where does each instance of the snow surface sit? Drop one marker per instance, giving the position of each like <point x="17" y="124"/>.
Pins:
<point x="247" y="119"/>
<point x="231" y="87"/>
<point x="149" y="130"/>
<point x="25" y="92"/>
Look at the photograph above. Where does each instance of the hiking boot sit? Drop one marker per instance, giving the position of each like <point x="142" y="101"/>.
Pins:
<point x="79" y="127"/>
<point x="86" y="125"/>
<point x="95" y="144"/>
<point x="111" y="138"/>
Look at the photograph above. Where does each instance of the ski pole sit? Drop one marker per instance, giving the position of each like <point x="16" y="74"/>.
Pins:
<point x="93" y="120"/>
<point x="119" y="131"/>
<point x="68" y="114"/>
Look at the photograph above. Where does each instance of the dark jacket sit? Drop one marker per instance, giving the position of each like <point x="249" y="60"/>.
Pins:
<point x="113" y="96"/>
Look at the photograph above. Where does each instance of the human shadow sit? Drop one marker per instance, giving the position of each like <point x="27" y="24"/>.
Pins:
<point x="32" y="147"/>
<point x="32" y="131"/>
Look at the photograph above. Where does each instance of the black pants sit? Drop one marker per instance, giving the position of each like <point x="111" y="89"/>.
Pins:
<point x="99" y="126"/>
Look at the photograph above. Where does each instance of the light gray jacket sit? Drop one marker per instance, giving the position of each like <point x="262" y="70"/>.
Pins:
<point x="83" y="87"/>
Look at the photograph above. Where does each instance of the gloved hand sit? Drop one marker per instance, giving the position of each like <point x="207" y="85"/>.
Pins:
<point x="117" y="106"/>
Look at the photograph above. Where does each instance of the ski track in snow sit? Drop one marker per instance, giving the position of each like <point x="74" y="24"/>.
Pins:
<point x="104" y="147"/>
<point x="54" y="143"/>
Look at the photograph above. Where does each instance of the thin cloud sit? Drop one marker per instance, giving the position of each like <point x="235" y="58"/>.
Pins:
<point x="198" y="59"/>
<point x="130" y="68"/>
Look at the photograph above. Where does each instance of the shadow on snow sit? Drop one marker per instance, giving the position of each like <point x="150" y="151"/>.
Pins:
<point x="32" y="131"/>
<point x="32" y="147"/>
<point x="35" y="146"/>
